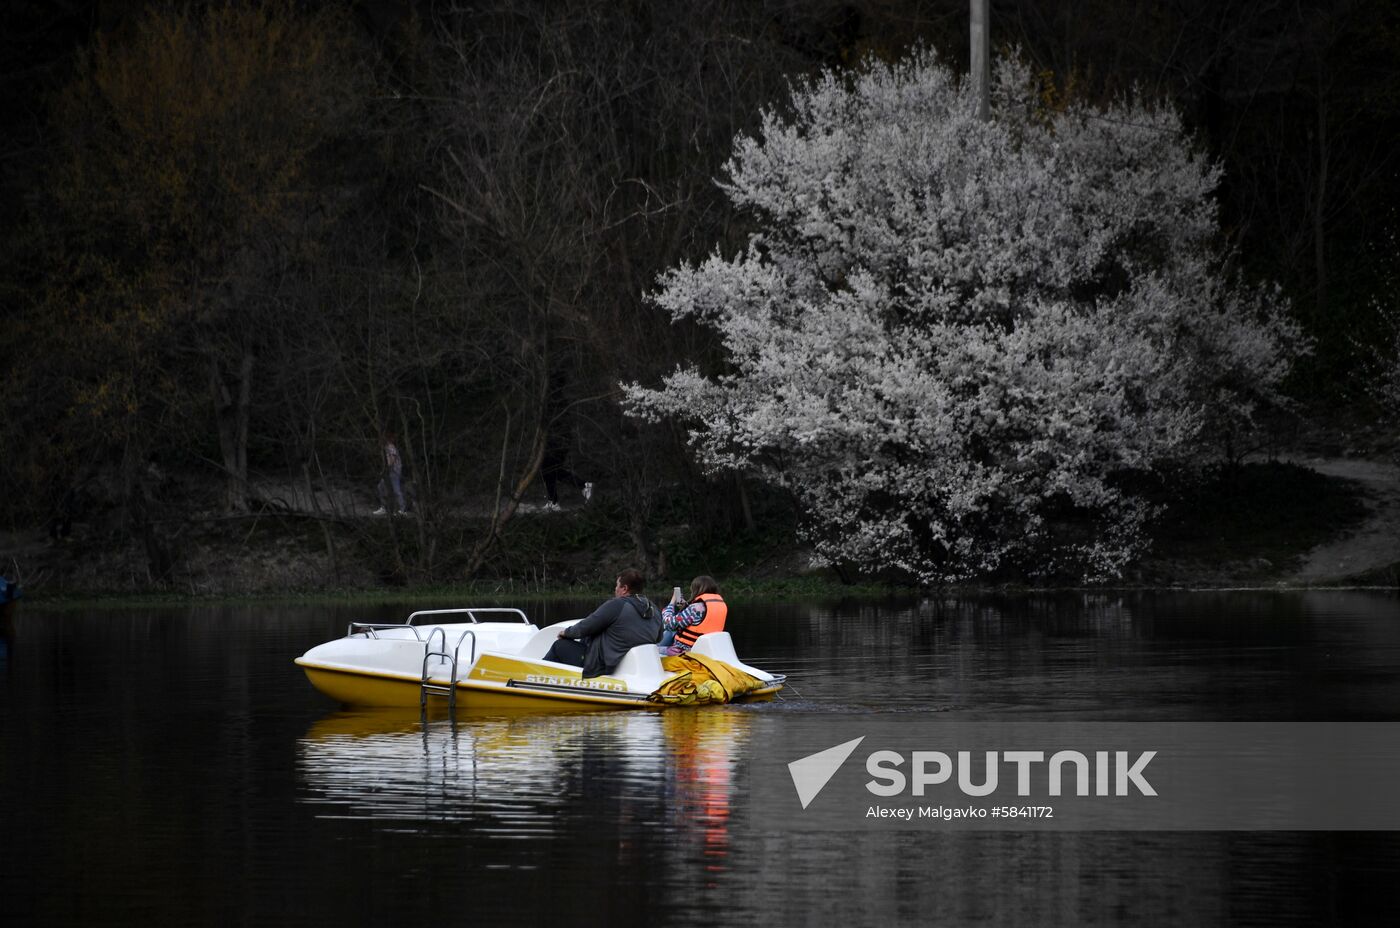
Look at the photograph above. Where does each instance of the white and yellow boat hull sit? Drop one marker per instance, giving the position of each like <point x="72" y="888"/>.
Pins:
<point x="492" y="665"/>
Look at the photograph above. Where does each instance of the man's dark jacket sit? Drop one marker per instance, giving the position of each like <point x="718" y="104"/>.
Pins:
<point x="614" y="628"/>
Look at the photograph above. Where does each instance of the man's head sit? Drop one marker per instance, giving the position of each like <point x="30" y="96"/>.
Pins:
<point x="629" y="582"/>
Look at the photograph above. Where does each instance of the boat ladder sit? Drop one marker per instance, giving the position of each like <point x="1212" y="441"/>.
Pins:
<point x="426" y="686"/>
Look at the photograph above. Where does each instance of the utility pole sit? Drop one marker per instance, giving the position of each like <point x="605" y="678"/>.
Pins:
<point x="981" y="56"/>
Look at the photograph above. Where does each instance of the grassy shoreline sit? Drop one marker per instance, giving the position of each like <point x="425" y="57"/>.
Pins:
<point x="739" y="591"/>
<point x="484" y="592"/>
<point x="1247" y="529"/>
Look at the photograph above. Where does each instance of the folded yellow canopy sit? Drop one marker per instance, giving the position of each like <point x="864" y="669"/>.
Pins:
<point x="703" y="680"/>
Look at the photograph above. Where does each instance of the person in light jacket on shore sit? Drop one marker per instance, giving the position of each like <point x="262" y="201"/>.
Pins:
<point x="392" y="462"/>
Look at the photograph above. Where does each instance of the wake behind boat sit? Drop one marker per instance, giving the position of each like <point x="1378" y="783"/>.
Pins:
<point x="496" y="659"/>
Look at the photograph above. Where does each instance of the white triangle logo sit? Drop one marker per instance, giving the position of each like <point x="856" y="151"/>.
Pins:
<point x="810" y="774"/>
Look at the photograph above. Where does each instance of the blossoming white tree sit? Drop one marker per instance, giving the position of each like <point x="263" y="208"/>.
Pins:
<point x="952" y="339"/>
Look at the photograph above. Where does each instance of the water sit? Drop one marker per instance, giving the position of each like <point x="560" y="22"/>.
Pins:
<point x="173" y="767"/>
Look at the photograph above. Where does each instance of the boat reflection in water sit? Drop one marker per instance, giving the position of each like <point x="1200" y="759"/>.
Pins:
<point x="531" y="774"/>
<point x="704" y="745"/>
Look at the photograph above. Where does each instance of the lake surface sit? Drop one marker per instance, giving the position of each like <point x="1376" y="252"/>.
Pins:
<point x="172" y="766"/>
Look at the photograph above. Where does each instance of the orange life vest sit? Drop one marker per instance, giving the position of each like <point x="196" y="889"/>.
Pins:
<point x="715" y="613"/>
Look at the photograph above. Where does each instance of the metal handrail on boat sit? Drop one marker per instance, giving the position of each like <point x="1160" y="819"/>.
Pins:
<point x="450" y="691"/>
<point x="470" y="611"/>
<point x="457" y="650"/>
<point x="428" y="652"/>
<point x="369" y="628"/>
<point x="439" y="631"/>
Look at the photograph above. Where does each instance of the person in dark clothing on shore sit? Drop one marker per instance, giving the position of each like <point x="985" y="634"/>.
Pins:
<point x="560" y="435"/>
<point x="600" y="642"/>
<point x="554" y="468"/>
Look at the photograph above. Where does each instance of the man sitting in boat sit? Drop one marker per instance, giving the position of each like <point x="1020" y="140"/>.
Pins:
<point x="683" y="624"/>
<point x="600" y="642"/>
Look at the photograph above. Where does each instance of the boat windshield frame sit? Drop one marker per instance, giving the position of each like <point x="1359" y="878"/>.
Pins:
<point x="470" y="612"/>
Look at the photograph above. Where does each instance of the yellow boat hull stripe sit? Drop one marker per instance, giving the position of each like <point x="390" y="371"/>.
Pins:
<point x="359" y="688"/>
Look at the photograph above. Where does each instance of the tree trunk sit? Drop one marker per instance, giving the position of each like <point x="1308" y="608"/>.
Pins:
<point x="642" y="540"/>
<point x="500" y="515"/>
<point x="231" y="417"/>
<point x="325" y="525"/>
<point x="140" y="503"/>
<point x="980" y="39"/>
<point x="744" y="506"/>
<point x="1320" y="206"/>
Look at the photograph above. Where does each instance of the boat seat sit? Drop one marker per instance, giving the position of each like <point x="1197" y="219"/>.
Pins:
<point x="717" y="645"/>
<point x="541" y="641"/>
<point x="720" y="646"/>
<point x="641" y="659"/>
<point x="645" y="663"/>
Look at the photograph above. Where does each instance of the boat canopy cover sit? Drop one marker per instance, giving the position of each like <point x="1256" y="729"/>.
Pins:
<point x="702" y="679"/>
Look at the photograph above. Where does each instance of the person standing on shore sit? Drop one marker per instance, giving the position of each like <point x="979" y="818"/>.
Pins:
<point x="392" y="478"/>
<point x="559" y="439"/>
<point x="554" y="468"/>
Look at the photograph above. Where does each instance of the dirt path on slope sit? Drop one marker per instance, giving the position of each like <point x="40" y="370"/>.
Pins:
<point x="1376" y="544"/>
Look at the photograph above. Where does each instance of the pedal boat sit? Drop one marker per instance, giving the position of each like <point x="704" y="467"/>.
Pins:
<point x="495" y="659"/>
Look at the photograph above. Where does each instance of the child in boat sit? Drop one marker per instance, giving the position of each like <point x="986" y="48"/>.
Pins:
<point x="683" y="623"/>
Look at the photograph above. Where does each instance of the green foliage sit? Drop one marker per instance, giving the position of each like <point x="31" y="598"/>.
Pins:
<point x="182" y="191"/>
